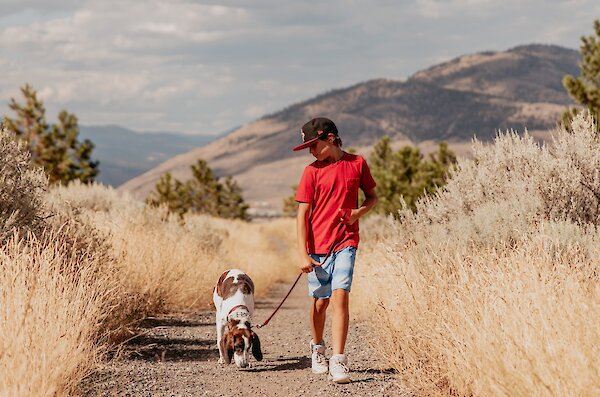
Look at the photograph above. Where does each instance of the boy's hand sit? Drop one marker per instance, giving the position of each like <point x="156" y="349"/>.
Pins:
<point x="307" y="263"/>
<point x="349" y="216"/>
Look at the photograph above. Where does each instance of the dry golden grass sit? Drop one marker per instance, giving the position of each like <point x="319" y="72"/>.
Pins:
<point x="55" y="293"/>
<point x="60" y="300"/>
<point x="510" y="321"/>
<point x="175" y="265"/>
<point x="53" y="305"/>
<point x="82" y="264"/>
<point x="493" y="287"/>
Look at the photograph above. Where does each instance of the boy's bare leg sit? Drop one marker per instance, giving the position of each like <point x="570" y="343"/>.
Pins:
<point x="341" y="317"/>
<point x="318" y="312"/>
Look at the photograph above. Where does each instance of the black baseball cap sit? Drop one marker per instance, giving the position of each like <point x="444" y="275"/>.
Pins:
<point x="317" y="128"/>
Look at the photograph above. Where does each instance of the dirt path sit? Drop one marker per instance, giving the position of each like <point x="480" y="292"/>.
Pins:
<point x="177" y="356"/>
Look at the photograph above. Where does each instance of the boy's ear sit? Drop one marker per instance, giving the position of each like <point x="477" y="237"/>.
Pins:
<point x="331" y="137"/>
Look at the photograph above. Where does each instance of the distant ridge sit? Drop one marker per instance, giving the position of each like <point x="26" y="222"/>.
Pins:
<point x="470" y="95"/>
<point x="125" y="154"/>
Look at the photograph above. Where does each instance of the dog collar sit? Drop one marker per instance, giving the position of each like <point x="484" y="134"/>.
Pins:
<point x="237" y="307"/>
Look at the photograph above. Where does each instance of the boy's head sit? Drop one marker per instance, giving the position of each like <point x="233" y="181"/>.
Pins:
<point x="318" y="128"/>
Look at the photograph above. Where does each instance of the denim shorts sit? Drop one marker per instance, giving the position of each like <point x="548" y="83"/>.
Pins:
<point x="335" y="273"/>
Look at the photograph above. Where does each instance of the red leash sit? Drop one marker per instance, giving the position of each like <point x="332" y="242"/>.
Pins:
<point x="281" y="304"/>
<point x="341" y="228"/>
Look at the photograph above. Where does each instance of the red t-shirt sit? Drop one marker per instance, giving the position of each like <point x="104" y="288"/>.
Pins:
<point x="327" y="187"/>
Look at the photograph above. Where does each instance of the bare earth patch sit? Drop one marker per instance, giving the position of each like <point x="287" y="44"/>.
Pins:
<point x="177" y="356"/>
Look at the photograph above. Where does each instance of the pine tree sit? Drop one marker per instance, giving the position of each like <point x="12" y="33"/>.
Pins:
<point x="433" y="172"/>
<point x="55" y="148"/>
<point x="406" y="175"/>
<point x="171" y="193"/>
<point x="231" y="203"/>
<point x="203" y="189"/>
<point x="585" y="89"/>
<point x="203" y="194"/>
<point x="290" y="205"/>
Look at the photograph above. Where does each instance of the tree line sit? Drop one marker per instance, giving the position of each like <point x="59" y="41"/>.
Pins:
<point x="203" y="193"/>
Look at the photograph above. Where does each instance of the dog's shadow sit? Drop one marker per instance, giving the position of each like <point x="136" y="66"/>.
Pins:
<point x="152" y="322"/>
<point x="282" y="364"/>
<point x="156" y="348"/>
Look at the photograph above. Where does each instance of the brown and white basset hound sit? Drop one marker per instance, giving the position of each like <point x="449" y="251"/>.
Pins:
<point x="233" y="297"/>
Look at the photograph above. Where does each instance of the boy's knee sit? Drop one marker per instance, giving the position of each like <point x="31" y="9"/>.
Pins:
<point x="340" y="298"/>
<point x="321" y="305"/>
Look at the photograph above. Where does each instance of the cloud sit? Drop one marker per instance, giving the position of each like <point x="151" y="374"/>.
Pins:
<point x="450" y="8"/>
<point x="199" y="67"/>
<point x="12" y="7"/>
<point x="122" y="27"/>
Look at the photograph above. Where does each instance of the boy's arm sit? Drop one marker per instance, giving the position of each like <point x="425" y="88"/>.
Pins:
<point x="306" y="262"/>
<point x="367" y="205"/>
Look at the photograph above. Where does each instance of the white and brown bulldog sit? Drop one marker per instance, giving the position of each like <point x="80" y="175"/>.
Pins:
<point x="233" y="297"/>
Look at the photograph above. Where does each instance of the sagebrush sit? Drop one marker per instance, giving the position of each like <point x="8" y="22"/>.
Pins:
<point x="491" y="287"/>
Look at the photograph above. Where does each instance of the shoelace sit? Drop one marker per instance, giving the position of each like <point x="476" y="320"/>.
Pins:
<point x="343" y="366"/>
<point x="321" y="358"/>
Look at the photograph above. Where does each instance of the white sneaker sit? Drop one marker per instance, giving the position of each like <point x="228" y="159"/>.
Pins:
<point x="319" y="362"/>
<point x="338" y="369"/>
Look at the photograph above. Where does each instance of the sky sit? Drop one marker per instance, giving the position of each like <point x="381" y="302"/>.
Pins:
<point x="200" y="67"/>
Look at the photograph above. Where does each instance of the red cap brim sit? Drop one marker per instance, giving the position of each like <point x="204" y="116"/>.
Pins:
<point x="305" y="145"/>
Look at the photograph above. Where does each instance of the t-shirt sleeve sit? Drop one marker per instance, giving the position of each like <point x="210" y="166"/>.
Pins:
<point x="366" y="179"/>
<point x="306" y="189"/>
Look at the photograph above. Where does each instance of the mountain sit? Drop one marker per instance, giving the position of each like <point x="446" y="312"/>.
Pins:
<point x="125" y="154"/>
<point x="472" y="95"/>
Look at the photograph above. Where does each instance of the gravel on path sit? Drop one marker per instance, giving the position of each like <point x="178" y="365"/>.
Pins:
<point x="176" y="355"/>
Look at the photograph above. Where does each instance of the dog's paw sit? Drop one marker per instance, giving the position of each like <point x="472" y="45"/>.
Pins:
<point x="221" y="361"/>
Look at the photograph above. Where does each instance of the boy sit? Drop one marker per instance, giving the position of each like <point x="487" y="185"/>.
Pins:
<point x="327" y="222"/>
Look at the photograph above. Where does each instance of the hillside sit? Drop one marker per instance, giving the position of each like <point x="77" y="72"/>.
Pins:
<point x="473" y="95"/>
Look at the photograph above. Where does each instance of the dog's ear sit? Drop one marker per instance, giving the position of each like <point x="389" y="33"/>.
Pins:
<point x="256" y="351"/>
<point x="227" y="346"/>
<point x="230" y="352"/>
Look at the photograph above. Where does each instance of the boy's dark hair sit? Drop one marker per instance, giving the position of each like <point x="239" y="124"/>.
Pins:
<point x="338" y="141"/>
